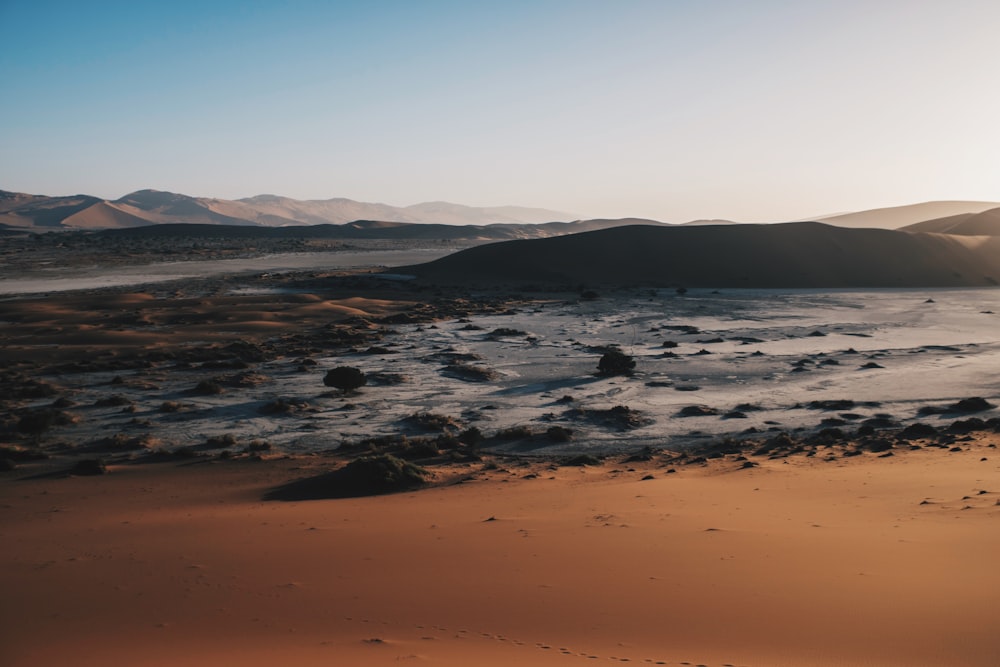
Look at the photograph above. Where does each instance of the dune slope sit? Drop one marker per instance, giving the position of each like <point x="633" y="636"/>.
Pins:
<point x="787" y="255"/>
<point x="986" y="223"/>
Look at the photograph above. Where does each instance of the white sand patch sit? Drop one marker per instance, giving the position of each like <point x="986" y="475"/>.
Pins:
<point x="929" y="352"/>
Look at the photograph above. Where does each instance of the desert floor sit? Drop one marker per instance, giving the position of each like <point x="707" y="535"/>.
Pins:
<point x="865" y="560"/>
<point x="853" y="523"/>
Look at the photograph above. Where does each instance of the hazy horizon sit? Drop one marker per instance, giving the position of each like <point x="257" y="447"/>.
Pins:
<point x="675" y="111"/>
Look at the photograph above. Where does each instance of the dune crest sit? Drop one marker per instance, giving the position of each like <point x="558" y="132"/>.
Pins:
<point x="791" y="255"/>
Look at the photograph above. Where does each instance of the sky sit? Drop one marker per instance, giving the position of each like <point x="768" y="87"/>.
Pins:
<point x="756" y="111"/>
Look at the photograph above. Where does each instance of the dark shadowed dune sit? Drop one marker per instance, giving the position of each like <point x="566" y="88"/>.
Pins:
<point x="369" y="229"/>
<point x="986" y="223"/>
<point x="806" y="254"/>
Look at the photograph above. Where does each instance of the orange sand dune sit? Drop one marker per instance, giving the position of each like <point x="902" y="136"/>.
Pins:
<point x="986" y="223"/>
<point x="797" y="563"/>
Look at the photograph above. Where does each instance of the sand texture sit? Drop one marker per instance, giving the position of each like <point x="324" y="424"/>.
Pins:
<point x="798" y="562"/>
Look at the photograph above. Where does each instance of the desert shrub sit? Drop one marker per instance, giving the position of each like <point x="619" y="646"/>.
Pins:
<point x="697" y="411"/>
<point x="506" y="331"/>
<point x="221" y="441"/>
<point x="170" y="406"/>
<point x="620" y="416"/>
<point x="615" y="362"/>
<point x="208" y="388"/>
<point x="514" y="433"/>
<point x="345" y="378"/>
<point x="559" y="434"/>
<point x="430" y="421"/>
<point x="367" y="476"/>
<point x="471" y="436"/>
<point x="470" y="373"/>
<point x="420" y="448"/>
<point x="258" y="446"/>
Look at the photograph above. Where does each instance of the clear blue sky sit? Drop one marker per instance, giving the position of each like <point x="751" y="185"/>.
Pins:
<point x="751" y="110"/>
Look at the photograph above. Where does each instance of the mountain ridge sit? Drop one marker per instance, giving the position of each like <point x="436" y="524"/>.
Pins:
<point x="150" y="207"/>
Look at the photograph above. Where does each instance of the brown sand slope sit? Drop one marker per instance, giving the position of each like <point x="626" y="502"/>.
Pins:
<point x="798" y="563"/>
<point x="895" y="217"/>
<point x="986" y="223"/>
<point x="23" y="210"/>
<point x="104" y="215"/>
<point x="786" y="255"/>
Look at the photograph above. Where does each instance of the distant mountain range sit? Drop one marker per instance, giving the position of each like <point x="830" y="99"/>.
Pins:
<point x="149" y="207"/>
<point x="163" y="213"/>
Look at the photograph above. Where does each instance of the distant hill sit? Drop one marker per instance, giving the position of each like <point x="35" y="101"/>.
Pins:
<point x="986" y="223"/>
<point x="372" y="229"/>
<point x="790" y="255"/>
<point x="150" y="207"/>
<point x="895" y="217"/>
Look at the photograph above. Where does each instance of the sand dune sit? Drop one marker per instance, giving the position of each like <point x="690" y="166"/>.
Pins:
<point x="797" y="563"/>
<point x="783" y="255"/>
<point x="158" y="207"/>
<point x="986" y="223"/>
<point x="895" y="217"/>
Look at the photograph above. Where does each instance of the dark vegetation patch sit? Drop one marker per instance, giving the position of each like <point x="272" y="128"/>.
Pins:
<point x="430" y="421"/>
<point x="615" y="362"/>
<point x="470" y="373"/>
<point x="345" y="378"/>
<point x="966" y="406"/>
<point x="620" y="417"/>
<point x="366" y="476"/>
<point x="559" y="434"/>
<point x="697" y="411"/>
<point x="208" y="388"/>
<point x="285" y="406"/>
<point x="581" y="460"/>
<point x="506" y="332"/>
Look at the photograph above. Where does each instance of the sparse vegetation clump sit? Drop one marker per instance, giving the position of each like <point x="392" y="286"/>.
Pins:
<point x="380" y="474"/>
<point x="582" y="460"/>
<point x="559" y="434"/>
<point x="366" y="476"/>
<point x="208" y="388"/>
<point x="430" y="421"/>
<point x="345" y="378"/>
<point x="504" y="332"/>
<point x="221" y="441"/>
<point x="621" y="417"/>
<point x="615" y="362"/>
<point x="514" y="433"/>
<point x="283" y="406"/>
<point x="470" y="373"/>
<point x="471" y="436"/>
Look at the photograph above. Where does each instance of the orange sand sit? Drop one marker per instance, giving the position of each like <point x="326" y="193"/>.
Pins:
<point x="803" y="563"/>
